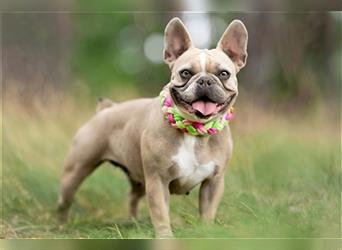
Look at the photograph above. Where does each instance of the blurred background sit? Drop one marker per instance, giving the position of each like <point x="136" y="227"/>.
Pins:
<point x="284" y="179"/>
<point x="294" y="59"/>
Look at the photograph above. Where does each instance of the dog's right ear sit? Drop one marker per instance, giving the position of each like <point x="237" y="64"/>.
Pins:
<point x="176" y="40"/>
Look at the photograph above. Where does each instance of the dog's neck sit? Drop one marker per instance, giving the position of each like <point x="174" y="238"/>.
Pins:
<point x="174" y="117"/>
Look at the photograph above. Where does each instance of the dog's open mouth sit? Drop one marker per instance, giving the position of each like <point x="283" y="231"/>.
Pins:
<point x="204" y="107"/>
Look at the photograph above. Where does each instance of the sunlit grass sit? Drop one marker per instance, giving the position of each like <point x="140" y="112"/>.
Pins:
<point x="283" y="181"/>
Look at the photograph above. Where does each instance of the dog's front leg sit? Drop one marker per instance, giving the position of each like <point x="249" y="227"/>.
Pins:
<point x="158" y="200"/>
<point x="210" y="195"/>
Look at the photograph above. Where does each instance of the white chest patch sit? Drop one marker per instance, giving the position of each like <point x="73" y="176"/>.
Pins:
<point x="191" y="172"/>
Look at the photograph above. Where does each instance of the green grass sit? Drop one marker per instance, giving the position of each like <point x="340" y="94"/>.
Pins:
<point x="283" y="181"/>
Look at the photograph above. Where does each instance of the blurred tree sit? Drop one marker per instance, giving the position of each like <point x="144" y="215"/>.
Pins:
<point x="36" y="49"/>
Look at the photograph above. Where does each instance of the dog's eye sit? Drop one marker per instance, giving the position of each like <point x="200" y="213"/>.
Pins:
<point x="185" y="74"/>
<point x="224" y="75"/>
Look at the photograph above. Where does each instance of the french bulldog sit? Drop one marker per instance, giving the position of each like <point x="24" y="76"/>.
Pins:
<point x="158" y="158"/>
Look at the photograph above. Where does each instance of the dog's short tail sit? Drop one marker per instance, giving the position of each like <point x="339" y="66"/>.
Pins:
<point x="103" y="103"/>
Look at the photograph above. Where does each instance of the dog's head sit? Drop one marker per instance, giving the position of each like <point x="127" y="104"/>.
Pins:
<point x="203" y="82"/>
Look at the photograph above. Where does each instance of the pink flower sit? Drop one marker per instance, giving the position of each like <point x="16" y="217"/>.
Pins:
<point x="164" y="109"/>
<point x="187" y="122"/>
<point x="170" y="118"/>
<point x="229" y="116"/>
<point x="168" y="102"/>
<point x="199" y="127"/>
<point x="212" y="131"/>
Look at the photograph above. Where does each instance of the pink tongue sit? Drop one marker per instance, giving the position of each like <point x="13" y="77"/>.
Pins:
<point x="206" y="108"/>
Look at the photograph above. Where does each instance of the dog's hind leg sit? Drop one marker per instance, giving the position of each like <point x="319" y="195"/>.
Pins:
<point x="72" y="177"/>
<point x="137" y="191"/>
<point x="81" y="161"/>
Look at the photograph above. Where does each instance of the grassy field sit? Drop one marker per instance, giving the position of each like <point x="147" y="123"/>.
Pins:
<point x="283" y="181"/>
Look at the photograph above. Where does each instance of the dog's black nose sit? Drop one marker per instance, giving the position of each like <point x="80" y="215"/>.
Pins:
<point x="205" y="81"/>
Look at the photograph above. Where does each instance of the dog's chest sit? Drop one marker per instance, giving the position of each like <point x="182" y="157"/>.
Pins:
<point x="191" y="170"/>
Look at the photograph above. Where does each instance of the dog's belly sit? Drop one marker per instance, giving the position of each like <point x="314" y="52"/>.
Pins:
<point x="189" y="171"/>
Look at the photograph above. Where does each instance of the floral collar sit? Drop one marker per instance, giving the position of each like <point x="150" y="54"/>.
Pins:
<point x="173" y="116"/>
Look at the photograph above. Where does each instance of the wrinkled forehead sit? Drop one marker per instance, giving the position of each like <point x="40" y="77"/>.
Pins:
<point x="204" y="60"/>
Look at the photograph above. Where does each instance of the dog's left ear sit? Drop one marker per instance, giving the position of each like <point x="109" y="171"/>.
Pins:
<point x="176" y="40"/>
<point x="234" y="43"/>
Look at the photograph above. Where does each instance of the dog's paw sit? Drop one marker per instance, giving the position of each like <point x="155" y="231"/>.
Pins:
<point x="164" y="235"/>
<point x="62" y="215"/>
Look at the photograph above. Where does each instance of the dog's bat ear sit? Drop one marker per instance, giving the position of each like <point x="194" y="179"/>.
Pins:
<point x="234" y="43"/>
<point x="176" y="40"/>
